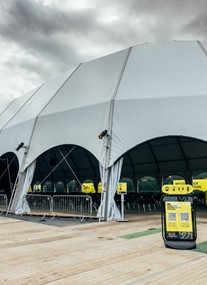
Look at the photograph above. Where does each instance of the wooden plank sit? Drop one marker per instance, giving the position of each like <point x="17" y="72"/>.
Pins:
<point x="94" y="253"/>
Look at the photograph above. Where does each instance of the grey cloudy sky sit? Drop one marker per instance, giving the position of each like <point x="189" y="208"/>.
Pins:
<point x="40" y="39"/>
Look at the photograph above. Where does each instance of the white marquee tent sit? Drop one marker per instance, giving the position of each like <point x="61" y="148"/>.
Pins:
<point x="137" y="94"/>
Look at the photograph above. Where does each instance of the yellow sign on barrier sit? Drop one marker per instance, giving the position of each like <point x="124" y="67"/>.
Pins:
<point x="99" y="187"/>
<point x="121" y="188"/>
<point x="29" y="190"/>
<point x="37" y="187"/>
<point x="88" y="188"/>
<point x="200" y="184"/>
<point x="177" y="189"/>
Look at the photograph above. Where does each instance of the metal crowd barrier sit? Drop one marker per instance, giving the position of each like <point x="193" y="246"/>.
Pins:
<point x="78" y="205"/>
<point x="3" y="202"/>
<point x="72" y="204"/>
<point x="39" y="204"/>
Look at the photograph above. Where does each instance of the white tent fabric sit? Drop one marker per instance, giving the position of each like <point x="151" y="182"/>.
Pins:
<point x="19" y="118"/>
<point x="22" y="205"/>
<point x="114" y="177"/>
<point x="100" y="213"/>
<point x="81" y="107"/>
<point x="161" y="92"/>
<point x="141" y="93"/>
<point x="113" y="213"/>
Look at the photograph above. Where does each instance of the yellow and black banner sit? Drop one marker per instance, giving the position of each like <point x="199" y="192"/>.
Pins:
<point x="177" y="189"/>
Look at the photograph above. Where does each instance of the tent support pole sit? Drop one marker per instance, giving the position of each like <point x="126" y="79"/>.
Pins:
<point x="105" y="190"/>
<point x="108" y="141"/>
<point x="106" y="194"/>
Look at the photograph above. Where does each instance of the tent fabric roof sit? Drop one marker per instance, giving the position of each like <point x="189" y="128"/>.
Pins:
<point x="141" y="93"/>
<point x="162" y="90"/>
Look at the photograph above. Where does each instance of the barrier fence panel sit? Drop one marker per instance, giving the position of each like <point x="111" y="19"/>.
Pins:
<point x="3" y="202"/>
<point x="72" y="204"/>
<point x="39" y="204"/>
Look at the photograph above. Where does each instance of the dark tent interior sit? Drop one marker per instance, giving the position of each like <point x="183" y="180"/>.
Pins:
<point x="64" y="168"/>
<point x="9" y="167"/>
<point x="145" y="167"/>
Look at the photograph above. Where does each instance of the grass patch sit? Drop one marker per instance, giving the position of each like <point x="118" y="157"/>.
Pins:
<point x="142" y="234"/>
<point x="200" y="222"/>
<point x="201" y="247"/>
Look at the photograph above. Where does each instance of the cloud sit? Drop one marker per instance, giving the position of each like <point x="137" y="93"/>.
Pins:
<point x="37" y="28"/>
<point x="198" y="26"/>
<point x="40" y="39"/>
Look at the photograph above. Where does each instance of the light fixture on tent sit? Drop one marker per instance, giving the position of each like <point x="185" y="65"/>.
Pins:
<point x="103" y="134"/>
<point x="21" y="145"/>
<point x="3" y="159"/>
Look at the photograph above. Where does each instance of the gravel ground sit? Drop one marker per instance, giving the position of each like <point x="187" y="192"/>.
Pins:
<point x="70" y="221"/>
<point x="51" y="221"/>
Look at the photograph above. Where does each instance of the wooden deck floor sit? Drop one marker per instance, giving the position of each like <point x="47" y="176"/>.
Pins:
<point x="95" y="253"/>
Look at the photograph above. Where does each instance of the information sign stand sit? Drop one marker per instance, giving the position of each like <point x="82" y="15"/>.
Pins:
<point x="122" y="190"/>
<point x="178" y="218"/>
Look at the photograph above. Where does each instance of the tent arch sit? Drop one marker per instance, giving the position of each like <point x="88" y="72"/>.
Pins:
<point x="165" y="155"/>
<point x="173" y="176"/>
<point x="147" y="184"/>
<point x="200" y="175"/>
<point x="9" y="166"/>
<point x="52" y="146"/>
<point x="66" y="162"/>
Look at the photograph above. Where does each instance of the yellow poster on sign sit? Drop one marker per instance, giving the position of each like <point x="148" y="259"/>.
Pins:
<point x="178" y="216"/>
<point x="121" y="188"/>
